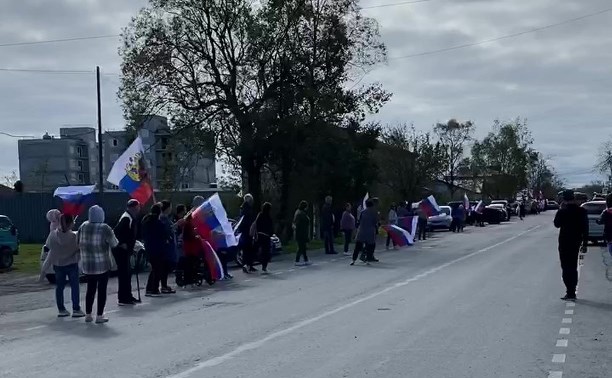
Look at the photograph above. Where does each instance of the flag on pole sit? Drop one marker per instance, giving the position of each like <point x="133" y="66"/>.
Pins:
<point x="129" y="173"/>
<point x="430" y="206"/>
<point x="211" y="223"/>
<point x="479" y="207"/>
<point x="75" y="198"/>
<point x="212" y="261"/>
<point x="466" y="202"/>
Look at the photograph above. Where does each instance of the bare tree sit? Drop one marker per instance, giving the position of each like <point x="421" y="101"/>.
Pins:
<point x="604" y="160"/>
<point x="10" y="180"/>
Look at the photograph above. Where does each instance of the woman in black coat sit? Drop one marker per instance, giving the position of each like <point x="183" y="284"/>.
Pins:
<point x="264" y="228"/>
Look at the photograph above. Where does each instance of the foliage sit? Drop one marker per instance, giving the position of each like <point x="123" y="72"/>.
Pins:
<point x="542" y="177"/>
<point x="452" y="136"/>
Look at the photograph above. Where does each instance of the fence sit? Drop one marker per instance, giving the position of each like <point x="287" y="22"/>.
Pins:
<point x="28" y="210"/>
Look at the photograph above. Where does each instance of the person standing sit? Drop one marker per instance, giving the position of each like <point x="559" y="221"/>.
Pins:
<point x="421" y="224"/>
<point x="64" y="257"/>
<point x="153" y="232"/>
<point x="392" y="219"/>
<point x="573" y="224"/>
<point x="245" y="243"/>
<point x="458" y="215"/>
<point x="366" y="234"/>
<point x="263" y="230"/>
<point x="606" y="220"/>
<point x="179" y="221"/>
<point x="125" y="231"/>
<point x="347" y="224"/>
<point x="96" y="239"/>
<point x="301" y="223"/>
<point x="327" y="226"/>
<point x="170" y="255"/>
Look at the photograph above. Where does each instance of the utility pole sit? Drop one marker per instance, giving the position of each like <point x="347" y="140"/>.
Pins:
<point x="100" y="141"/>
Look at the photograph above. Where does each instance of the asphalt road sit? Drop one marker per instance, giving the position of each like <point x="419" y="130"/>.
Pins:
<point x="480" y="304"/>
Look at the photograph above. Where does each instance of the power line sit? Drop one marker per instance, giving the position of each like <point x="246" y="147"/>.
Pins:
<point x="507" y="36"/>
<point x="59" y="40"/>
<point x="37" y="70"/>
<point x="16" y="136"/>
<point x="396" y="4"/>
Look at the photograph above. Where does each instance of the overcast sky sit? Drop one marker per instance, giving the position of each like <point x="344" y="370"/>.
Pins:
<point x="558" y="78"/>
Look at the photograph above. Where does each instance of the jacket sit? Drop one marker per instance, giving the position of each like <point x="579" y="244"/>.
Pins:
<point x="63" y="249"/>
<point x="125" y="231"/>
<point x="302" y="225"/>
<point x="154" y="236"/>
<point x="606" y="220"/>
<point x="247" y="216"/>
<point x="458" y="214"/>
<point x="327" y="217"/>
<point x="573" y="224"/>
<point x="192" y="244"/>
<point x="96" y="239"/>
<point x="347" y="223"/>
<point x="265" y="225"/>
<point x="368" y="226"/>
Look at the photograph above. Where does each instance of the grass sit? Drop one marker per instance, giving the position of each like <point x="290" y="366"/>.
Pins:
<point x="28" y="259"/>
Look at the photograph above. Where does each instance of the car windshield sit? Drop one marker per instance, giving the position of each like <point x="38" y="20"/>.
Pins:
<point x="594" y="208"/>
<point x="5" y="223"/>
<point x="445" y="210"/>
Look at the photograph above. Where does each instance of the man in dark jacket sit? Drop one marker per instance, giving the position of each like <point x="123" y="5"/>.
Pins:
<point x="327" y="226"/>
<point x="125" y="231"/>
<point x="247" y="215"/>
<point x="573" y="222"/>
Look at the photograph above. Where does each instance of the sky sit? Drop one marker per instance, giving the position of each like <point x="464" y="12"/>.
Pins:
<point x="558" y="78"/>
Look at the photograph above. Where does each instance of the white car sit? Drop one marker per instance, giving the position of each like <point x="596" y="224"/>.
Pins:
<point x="443" y="220"/>
<point x="594" y="210"/>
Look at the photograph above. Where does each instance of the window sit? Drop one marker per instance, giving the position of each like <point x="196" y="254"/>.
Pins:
<point x="164" y="143"/>
<point x="81" y="178"/>
<point x="80" y="165"/>
<point x="115" y="142"/>
<point x="79" y="151"/>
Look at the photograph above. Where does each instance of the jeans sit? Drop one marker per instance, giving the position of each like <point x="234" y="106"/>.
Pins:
<point x="72" y="271"/>
<point x="302" y="247"/>
<point x="96" y="282"/>
<point x="348" y="236"/>
<point x="328" y="239"/>
<point x="568" y="255"/>
<point x="124" y="275"/>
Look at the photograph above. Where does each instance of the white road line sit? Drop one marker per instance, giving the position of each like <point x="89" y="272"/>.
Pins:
<point x="111" y="311"/>
<point x="283" y="332"/>
<point x="570" y="304"/>
<point x="562" y="343"/>
<point x="564" y="331"/>
<point x="566" y="321"/>
<point x="559" y="358"/>
<point x="277" y="273"/>
<point x="247" y="280"/>
<point x="555" y="374"/>
<point x="569" y="312"/>
<point x="34" y="328"/>
<point x="291" y="270"/>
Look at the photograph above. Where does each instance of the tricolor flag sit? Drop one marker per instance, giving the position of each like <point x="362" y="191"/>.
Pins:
<point x="409" y="224"/>
<point x="479" y="207"/>
<point x="129" y="173"/>
<point x="466" y="202"/>
<point x="75" y="199"/>
<point x="399" y="236"/>
<point x="212" y="261"/>
<point x="211" y="223"/>
<point x="430" y="206"/>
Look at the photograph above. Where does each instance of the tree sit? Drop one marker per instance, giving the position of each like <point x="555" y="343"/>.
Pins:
<point x="452" y="136"/>
<point x="543" y="178"/>
<point x="604" y="161"/>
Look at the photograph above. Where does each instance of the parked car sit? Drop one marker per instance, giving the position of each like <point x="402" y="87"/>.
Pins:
<point x="443" y="220"/>
<point x="552" y="205"/>
<point x="494" y="214"/>
<point x="502" y="208"/>
<point x="276" y="246"/>
<point x="594" y="210"/>
<point x="9" y="242"/>
<point x="506" y="207"/>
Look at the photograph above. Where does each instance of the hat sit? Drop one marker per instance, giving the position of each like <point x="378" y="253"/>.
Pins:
<point x="133" y="203"/>
<point x="568" y="195"/>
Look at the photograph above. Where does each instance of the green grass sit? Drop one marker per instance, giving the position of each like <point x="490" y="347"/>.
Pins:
<point x="28" y="259"/>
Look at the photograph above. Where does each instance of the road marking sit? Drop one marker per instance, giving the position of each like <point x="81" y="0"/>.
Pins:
<point x="562" y="343"/>
<point x="569" y="312"/>
<point x="291" y="270"/>
<point x="564" y="331"/>
<point x="570" y="304"/>
<point x="555" y="374"/>
<point x="559" y="358"/>
<point x="252" y="345"/>
<point x="111" y="311"/>
<point x="34" y="328"/>
<point x="566" y="321"/>
<point x="247" y="280"/>
<point x="277" y="273"/>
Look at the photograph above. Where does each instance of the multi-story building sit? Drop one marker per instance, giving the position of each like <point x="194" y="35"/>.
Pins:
<point x="72" y="159"/>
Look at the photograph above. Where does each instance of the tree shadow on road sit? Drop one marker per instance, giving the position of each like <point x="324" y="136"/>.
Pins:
<point x="597" y="305"/>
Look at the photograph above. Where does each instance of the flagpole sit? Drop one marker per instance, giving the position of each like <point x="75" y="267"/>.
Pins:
<point x="100" y="144"/>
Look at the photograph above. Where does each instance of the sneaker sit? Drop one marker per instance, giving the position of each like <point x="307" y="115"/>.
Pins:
<point x="168" y="290"/>
<point x="153" y="294"/>
<point x="352" y="263"/>
<point x="347" y="254"/>
<point x="101" y="319"/>
<point x="297" y="263"/>
<point x="63" y="314"/>
<point x="88" y="318"/>
<point x="571" y="298"/>
<point x="125" y="303"/>
<point x="78" y="314"/>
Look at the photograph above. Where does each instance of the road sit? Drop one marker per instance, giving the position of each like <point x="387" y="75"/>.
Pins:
<point x="480" y="304"/>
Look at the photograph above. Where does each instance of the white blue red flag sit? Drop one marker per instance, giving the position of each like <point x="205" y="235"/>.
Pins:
<point x="400" y="237"/>
<point x="479" y="207"/>
<point x="75" y="199"/>
<point x="212" y="261"/>
<point x="430" y="206"/>
<point x="211" y="223"/>
<point x="129" y="173"/>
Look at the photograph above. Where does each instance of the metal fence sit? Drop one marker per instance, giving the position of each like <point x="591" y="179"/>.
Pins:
<point x="28" y="210"/>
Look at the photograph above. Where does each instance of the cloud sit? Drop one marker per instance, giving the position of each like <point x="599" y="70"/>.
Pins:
<point x="558" y="78"/>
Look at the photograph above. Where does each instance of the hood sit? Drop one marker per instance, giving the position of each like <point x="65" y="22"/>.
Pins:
<point x="96" y="214"/>
<point x="53" y="216"/>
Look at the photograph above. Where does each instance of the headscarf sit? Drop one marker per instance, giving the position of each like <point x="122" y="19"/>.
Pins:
<point x="53" y="216"/>
<point x="96" y="214"/>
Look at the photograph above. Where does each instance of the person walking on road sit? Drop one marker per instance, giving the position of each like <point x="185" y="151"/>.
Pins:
<point x="347" y="224"/>
<point x="96" y="239"/>
<point x="301" y="223"/>
<point x="573" y="224"/>
<point x="606" y="220"/>
<point x="262" y="231"/>
<point x="64" y="257"/>
<point x="392" y="220"/>
<point x="154" y="235"/>
<point x="366" y="235"/>
<point x="458" y="218"/>
<point x="125" y="231"/>
<point x="327" y="226"/>
<point x="245" y="243"/>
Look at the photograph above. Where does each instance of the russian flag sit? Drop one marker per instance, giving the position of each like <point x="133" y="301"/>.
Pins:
<point x="211" y="223"/>
<point x="130" y="174"/>
<point x="399" y="236"/>
<point x="409" y="224"/>
<point x="75" y="199"/>
<point x="212" y="261"/>
<point x="479" y="207"/>
<point x="430" y="206"/>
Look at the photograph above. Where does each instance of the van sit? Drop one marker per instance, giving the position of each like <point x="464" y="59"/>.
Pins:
<point x="9" y="242"/>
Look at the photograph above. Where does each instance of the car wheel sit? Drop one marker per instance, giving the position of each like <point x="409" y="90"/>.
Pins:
<point x="6" y="258"/>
